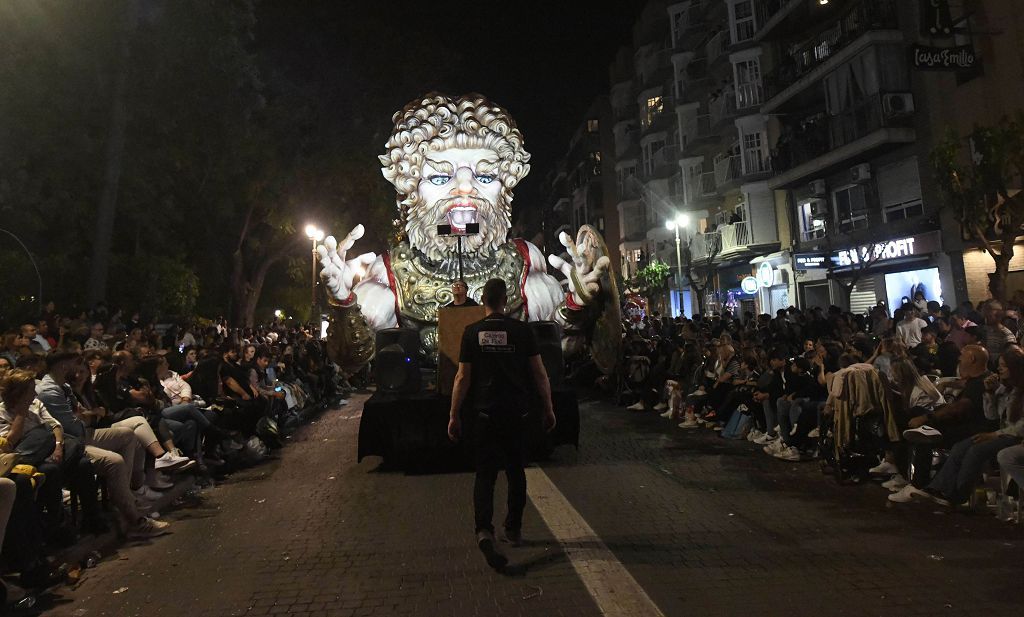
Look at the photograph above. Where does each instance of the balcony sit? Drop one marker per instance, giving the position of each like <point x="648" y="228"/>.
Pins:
<point x="705" y="246"/>
<point x="562" y="204"/>
<point x="756" y="163"/>
<point x="722" y="108"/>
<point x="749" y="95"/>
<point x="699" y="188"/>
<point x="716" y="47"/>
<point x="862" y="18"/>
<point x="728" y="169"/>
<point x="770" y="13"/>
<point x="822" y="142"/>
<point x="735" y="237"/>
<point x="662" y="163"/>
<point x="697" y="132"/>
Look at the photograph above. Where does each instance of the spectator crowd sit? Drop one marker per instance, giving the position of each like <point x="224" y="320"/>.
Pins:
<point x="100" y="416"/>
<point x="928" y="399"/>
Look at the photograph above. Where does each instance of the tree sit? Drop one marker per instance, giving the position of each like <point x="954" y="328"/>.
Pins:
<point x="979" y="178"/>
<point x="858" y="259"/>
<point x="652" y="280"/>
<point x="701" y="277"/>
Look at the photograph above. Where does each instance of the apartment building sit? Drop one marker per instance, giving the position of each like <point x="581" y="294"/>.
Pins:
<point x="577" y="191"/>
<point x="795" y="137"/>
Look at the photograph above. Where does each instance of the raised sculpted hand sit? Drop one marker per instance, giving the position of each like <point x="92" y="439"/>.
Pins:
<point x="338" y="274"/>
<point x="584" y="272"/>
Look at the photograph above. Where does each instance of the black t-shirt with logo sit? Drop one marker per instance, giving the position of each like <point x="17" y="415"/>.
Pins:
<point x="499" y="349"/>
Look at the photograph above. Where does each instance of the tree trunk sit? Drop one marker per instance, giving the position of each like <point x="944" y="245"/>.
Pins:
<point x="107" y="210"/>
<point x="1002" y="259"/>
<point x="239" y="288"/>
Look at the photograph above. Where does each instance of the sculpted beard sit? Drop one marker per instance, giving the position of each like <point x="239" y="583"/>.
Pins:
<point x="423" y="220"/>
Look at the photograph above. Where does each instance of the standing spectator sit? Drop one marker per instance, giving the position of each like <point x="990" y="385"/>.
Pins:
<point x="994" y="335"/>
<point x="910" y="326"/>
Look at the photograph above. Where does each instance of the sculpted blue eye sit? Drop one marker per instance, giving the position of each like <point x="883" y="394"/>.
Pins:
<point x="485" y="179"/>
<point x="439" y="180"/>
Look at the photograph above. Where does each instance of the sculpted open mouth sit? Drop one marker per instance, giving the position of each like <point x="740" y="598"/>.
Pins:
<point x="460" y="214"/>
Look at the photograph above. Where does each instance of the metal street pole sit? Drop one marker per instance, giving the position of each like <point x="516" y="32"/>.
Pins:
<point x="39" y="277"/>
<point x="312" y="281"/>
<point x="679" y="263"/>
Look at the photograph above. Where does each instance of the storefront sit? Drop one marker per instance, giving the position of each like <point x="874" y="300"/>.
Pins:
<point x="774" y="276"/>
<point x="887" y="272"/>
<point x="731" y="295"/>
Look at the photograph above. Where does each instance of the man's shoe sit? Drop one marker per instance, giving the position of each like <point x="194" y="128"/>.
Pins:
<point x="637" y="406"/>
<point x="144" y="493"/>
<point x="158" y="481"/>
<point x="788" y="454"/>
<point x="885" y="468"/>
<point x="895" y="483"/>
<point x="689" y="424"/>
<point x="814" y="434"/>
<point x="774" y="447"/>
<point x="148" y="528"/>
<point x="753" y="435"/>
<point x="169" y="462"/>
<point x="765" y="439"/>
<point x="908" y="494"/>
<point x="485" y="540"/>
<point x="513" y="537"/>
<point x="667" y="414"/>
<point x="923" y="435"/>
<point x="660" y="407"/>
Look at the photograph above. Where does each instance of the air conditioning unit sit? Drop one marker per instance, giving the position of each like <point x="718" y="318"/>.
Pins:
<point x="897" y="104"/>
<point x="817" y="188"/>
<point x="860" y="173"/>
<point x="819" y="208"/>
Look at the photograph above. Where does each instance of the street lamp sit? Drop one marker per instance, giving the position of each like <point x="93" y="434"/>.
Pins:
<point x="681" y="220"/>
<point x="315" y="234"/>
<point x="31" y="259"/>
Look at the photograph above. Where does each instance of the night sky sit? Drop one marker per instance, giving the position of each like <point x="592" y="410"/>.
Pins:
<point x="544" y="61"/>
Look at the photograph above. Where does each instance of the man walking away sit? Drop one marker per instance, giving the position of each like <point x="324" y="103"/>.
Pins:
<point x="501" y="370"/>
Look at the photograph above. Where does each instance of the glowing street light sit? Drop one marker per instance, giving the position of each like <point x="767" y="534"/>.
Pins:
<point x="681" y="221"/>
<point x="315" y="234"/>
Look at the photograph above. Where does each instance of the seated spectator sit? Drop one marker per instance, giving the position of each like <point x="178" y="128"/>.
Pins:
<point x="95" y="339"/>
<point x="949" y="424"/>
<point x="111" y="451"/>
<point x="956" y="479"/>
<point x="36" y="342"/>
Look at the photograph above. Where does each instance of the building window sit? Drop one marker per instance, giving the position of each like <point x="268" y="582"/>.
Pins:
<point x="650" y="150"/>
<point x="743" y="21"/>
<point x="593" y="125"/>
<point x="748" y="83"/>
<point x="654" y="106"/>
<point x="625" y="178"/>
<point x="851" y="208"/>
<point x="755" y="160"/>
<point x="595" y="163"/>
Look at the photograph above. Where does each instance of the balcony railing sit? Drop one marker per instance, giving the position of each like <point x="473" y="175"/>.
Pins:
<point x="865" y="16"/>
<point x="716" y="46"/>
<point x="756" y="162"/>
<point x="819" y="134"/>
<point x="707" y="184"/>
<point x="749" y="95"/>
<point x="705" y="245"/>
<point x="722" y="107"/>
<point x="735" y="236"/>
<point x="728" y="169"/>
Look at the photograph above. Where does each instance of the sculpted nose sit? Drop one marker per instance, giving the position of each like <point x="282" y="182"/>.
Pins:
<point x="463" y="182"/>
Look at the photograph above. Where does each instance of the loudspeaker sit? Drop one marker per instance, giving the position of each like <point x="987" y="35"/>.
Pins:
<point x="396" y="365"/>
<point x="549" y="340"/>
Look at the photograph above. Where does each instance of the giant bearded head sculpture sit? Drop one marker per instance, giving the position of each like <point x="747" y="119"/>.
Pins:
<point x="455" y="161"/>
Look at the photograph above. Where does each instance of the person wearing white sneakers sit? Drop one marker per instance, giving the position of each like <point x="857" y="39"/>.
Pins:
<point x="919" y="396"/>
<point x="950" y="424"/>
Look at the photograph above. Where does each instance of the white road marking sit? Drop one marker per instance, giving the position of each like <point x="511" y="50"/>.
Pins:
<point x="613" y="588"/>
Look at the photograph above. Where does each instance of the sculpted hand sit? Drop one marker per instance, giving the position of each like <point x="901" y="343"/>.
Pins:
<point x="338" y="274"/>
<point x="584" y="272"/>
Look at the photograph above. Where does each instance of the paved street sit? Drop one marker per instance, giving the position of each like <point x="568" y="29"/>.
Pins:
<point x="704" y="527"/>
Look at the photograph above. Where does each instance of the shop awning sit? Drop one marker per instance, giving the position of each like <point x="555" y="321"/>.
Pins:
<point x="777" y="256"/>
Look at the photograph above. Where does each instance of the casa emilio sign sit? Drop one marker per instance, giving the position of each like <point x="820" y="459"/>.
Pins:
<point x="957" y="58"/>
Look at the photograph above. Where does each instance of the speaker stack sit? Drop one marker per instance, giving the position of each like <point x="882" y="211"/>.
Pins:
<point x="396" y="366"/>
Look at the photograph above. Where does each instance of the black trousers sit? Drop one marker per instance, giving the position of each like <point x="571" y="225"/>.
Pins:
<point x="500" y="443"/>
